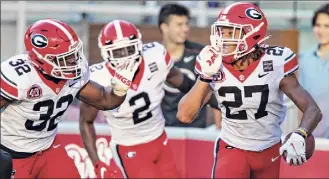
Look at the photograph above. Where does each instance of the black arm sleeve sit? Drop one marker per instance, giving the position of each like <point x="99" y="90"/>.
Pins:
<point x="213" y="102"/>
<point x="186" y="85"/>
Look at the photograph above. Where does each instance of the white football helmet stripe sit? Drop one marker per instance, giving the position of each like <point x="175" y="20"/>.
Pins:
<point x="118" y="29"/>
<point x="227" y="9"/>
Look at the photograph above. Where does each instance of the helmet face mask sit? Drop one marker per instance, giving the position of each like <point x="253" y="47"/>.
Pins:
<point x="68" y="63"/>
<point x="229" y="38"/>
<point x="54" y="48"/>
<point x="119" y="52"/>
<point x="120" y="41"/>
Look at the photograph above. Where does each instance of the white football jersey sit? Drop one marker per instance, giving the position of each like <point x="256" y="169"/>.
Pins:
<point x="139" y="118"/>
<point x="251" y="101"/>
<point x="29" y="124"/>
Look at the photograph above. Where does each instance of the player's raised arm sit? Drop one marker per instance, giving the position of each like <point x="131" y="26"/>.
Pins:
<point x="109" y="98"/>
<point x="208" y="64"/>
<point x="190" y="105"/>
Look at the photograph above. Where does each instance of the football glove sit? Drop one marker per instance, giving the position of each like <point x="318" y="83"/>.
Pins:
<point x="210" y="60"/>
<point x="295" y="148"/>
<point x="123" y="76"/>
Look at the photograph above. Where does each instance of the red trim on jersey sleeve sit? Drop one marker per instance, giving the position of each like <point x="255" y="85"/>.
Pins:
<point x="138" y="78"/>
<point x="13" y="91"/>
<point x="292" y="64"/>
<point x="167" y="58"/>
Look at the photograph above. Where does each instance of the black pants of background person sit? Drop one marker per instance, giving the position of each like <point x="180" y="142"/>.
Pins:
<point x="6" y="165"/>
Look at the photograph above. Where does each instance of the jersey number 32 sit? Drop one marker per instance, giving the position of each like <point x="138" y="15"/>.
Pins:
<point x="51" y="107"/>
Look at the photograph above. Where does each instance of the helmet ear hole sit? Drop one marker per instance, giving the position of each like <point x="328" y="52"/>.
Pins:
<point x="132" y="37"/>
<point x="256" y="37"/>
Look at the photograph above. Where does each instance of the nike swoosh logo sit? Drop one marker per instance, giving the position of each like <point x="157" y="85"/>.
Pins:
<point x="261" y="76"/>
<point x="103" y="170"/>
<point x="56" y="146"/>
<point x="188" y="59"/>
<point x="149" y="78"/>
<point x="275" y="158"/>
<point x="70" y="85"/>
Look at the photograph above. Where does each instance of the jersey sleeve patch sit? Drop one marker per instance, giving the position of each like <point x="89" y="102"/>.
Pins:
<point x="290" y="64"/>
<point x="9" y="89"/>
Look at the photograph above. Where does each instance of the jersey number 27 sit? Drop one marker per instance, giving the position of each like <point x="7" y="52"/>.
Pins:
<point x="249" y="90"/>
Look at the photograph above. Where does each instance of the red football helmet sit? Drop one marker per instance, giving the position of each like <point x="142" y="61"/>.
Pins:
<point x="119" y="41"/>
<point x="246" y="20"/>
<point x="55" y="49"/>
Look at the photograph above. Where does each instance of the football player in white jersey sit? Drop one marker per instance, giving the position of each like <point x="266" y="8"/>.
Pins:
<point x="249" y="79"/>
<point x="37" y="88"/>
<point x="139" y="142"/>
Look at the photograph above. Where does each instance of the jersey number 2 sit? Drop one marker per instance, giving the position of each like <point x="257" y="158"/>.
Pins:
<point x="50" y="105"/>
<point x="249" y="90"/>
<point x="136" y="114"/>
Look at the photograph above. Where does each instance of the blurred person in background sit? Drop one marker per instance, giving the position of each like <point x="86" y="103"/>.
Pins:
<point x="314" y="68"/>
<point x="173" y="22"/>
<point x="38" y="86"/>
<point x="139" y="142"/>
<point x="249" y="79"/>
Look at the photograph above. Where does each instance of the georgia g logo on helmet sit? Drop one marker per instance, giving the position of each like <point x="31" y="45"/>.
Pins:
<point x="253" y="14"/>
<point x="39" y="41"/>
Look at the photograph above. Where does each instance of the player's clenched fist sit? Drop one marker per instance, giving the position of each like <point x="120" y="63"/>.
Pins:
<point x="124" y="75"/>
<point x="210" y="61"/>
